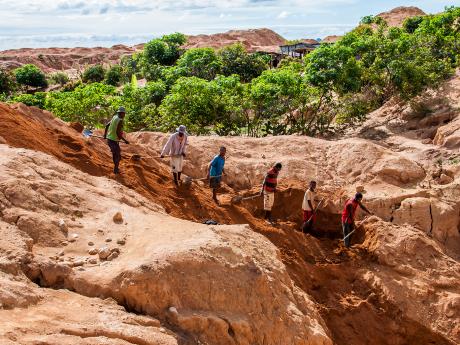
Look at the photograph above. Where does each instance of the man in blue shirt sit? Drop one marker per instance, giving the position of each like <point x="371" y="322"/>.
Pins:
<point x="215" y="172"/>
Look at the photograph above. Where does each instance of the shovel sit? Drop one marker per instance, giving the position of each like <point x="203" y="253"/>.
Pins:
<point x="188" y="180"/>
<point x="237" y="199"/>
<point x="87" y="133"/>
<point x="308" y="222"/>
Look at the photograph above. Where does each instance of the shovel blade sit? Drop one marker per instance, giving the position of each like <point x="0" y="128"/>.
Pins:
<point x="87" y="133"/>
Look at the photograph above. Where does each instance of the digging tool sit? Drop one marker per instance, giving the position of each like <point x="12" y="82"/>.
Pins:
<point x="188" y="180"/>
<point x="308" y="222"/>
<point x="87" y="133"/>
<point x="237" y="199"/>
<point x="355" y="228"/>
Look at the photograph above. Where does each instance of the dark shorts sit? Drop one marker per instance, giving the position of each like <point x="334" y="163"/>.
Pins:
<point x="116" y="151"/>
<point x="214" y="182"/>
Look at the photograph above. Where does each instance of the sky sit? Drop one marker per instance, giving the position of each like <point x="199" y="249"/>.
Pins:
<point x="88" y="23"/>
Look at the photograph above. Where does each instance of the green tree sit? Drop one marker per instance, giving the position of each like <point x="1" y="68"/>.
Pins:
<point x="235" y="60"/>
<point x="88" y="104"/>
<point x="30" y="75"/>
<point x="7" y="82"/>
<point x="141" y="105"/>
<point x="200" y="62"/>
<point x="114" y="75"/>
<point x="411" y="24"/>
<point x="165" y="50"/>
<point x="94" y="74"/>
<point x="204" y="106"/>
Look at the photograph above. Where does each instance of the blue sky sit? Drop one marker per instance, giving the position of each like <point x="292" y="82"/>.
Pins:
<point x="70" y="23"/>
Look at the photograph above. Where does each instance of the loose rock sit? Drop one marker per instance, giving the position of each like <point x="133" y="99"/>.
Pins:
<point x="90" y="243"/>
<point x="118" y="218"/>
<point x="121" y="241"/>
<point x="104" y="253"/>
<point x="112" y="256"/>
<point x="93" y="251"/>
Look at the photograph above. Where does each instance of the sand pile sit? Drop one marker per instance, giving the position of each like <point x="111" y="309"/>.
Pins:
<point x="253" y="40"/>
<point x="214" y="284"/>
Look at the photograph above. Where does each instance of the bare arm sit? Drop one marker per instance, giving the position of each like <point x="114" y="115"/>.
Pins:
<point x="167" y="147"/>
<point x="106" y="129"/>
<point x="364" y="208"/>
<point x="263" y="185"/>
<point x="120" y="132"/>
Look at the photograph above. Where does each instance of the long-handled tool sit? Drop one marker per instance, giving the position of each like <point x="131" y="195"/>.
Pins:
<point x="188" y="180"/>
<point x="237" y="199"/>
<point x="87" y="133"/>
<point x="307" y="223"/>
<point x="355" y="228"/>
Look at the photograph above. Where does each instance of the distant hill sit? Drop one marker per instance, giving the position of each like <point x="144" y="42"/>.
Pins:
<point x="398" y="15"/>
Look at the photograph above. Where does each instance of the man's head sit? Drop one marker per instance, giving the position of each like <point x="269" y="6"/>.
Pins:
<point x="358" y="197"/>
<point x="181" y="130"/>
<point x="278" y="166"/>
<point x="222" y="151"/>
<point x="121" y="112"/>
<point x="312" y="185"/>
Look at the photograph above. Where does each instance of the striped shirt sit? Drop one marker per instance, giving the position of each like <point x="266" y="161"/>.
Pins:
<point x="271" y="180"/>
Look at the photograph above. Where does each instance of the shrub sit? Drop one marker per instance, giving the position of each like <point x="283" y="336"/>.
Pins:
<point x="36" y="100"/>
<point x="200" y="62"/>
<point x="60" y="78"/>
<point x="165" y="50"/>
<point x="30" y="75"/>
<point x="7" y="82"/>
<point x="235" y="60"/>
<point x="94" y="74"/>
<point x="114" y="75"/>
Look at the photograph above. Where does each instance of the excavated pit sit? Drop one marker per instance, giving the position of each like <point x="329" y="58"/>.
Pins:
<point x="318" y="264"/>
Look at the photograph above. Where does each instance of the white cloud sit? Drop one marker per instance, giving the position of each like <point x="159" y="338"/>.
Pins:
<point x="102" y="22"/>
<point x="283" y="15"/>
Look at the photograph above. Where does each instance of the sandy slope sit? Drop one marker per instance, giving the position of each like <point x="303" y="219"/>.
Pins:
<point x="400" y="280"/>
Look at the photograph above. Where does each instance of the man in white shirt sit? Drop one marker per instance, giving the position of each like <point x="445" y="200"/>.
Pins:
<point x="308" y="208"/>
<point x="175" y="147"/>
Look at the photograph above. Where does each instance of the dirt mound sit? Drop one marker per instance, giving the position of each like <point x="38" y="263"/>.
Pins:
<point x="331" y="39"/>
<point x="253" y="40"/>
<point x="398" y="15"/>
<point x="63" y="59"/>
<point x="212" y="283"/>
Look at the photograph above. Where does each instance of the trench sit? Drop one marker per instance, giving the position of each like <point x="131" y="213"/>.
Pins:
<point x="320" y="266"/>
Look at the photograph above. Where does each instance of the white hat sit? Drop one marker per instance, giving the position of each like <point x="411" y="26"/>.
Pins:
<point x="181" y="129"/>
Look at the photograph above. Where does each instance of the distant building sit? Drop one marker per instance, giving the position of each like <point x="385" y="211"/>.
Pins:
<point x="299" y="49"/>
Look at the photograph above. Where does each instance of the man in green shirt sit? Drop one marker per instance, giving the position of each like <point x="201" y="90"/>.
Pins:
<point x="114" y="133"/>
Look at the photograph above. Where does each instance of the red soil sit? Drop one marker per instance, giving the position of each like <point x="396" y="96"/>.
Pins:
<point x="321" y="267"/>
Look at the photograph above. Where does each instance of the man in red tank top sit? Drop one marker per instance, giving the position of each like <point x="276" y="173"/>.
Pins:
<point x="348" y="216"/>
